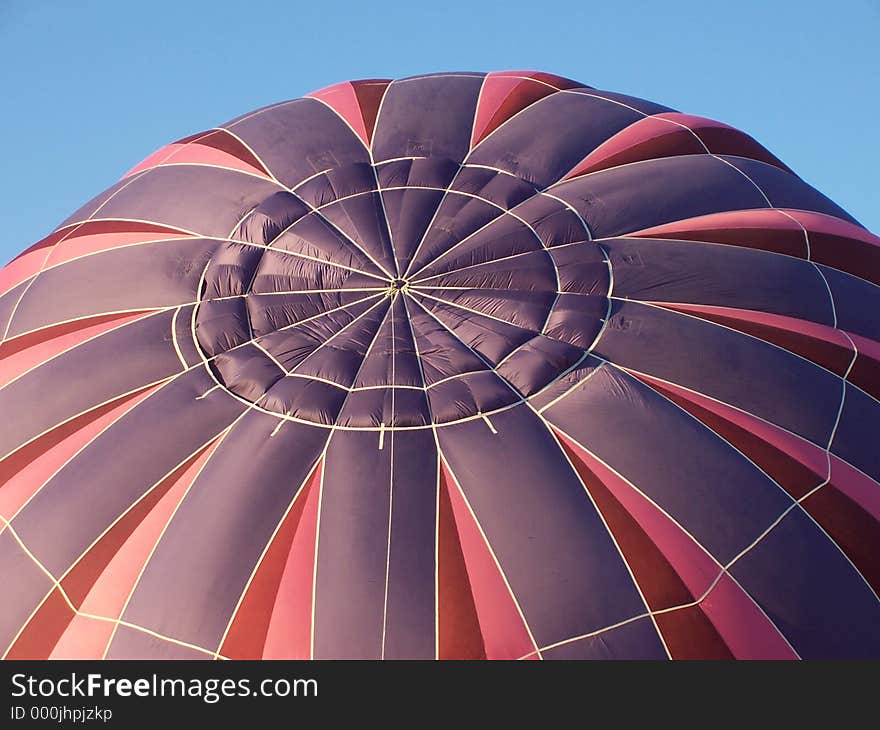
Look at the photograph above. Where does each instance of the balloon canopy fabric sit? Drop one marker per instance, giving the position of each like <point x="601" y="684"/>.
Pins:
<point x="455" y="366"/>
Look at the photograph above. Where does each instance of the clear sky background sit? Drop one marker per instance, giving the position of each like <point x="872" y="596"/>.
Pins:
<point x="91" y="87"/>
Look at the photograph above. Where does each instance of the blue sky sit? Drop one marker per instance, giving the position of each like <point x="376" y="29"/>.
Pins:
<point x="92" y="87"/>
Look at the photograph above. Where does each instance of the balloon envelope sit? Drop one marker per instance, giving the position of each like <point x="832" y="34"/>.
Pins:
<point x="455" y="366"/>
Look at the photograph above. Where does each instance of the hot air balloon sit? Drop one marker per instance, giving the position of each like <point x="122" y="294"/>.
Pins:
<point x="455" y="366"/>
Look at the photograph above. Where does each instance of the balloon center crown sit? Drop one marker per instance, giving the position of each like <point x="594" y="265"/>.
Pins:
<point x="302" y="314"/>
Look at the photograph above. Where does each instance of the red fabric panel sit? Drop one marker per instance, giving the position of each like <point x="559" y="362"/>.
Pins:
<point x="505" y="636"/>
<point x="214" y="147"/>
<point x="689" y="634"/>
<point x="293" y="545"/>
<point x="458" y="626"/>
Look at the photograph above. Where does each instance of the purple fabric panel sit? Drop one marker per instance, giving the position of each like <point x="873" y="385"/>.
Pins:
<point x="24" y="586"/>
<point x="195" y="577"/>
<point x="635" y="640"/>
<point x="699" y="479"/>
<point x="711" y="274"/>
<point x="644" y="106"/>
<point x="247" y="372"/>
<point x="292" y="340"/>
<point x="856" y="439"/>
<point x="120" y="465"/>
<point x="469" y="394"/>
<point x="520" y="272"/>
<point x="644" y="194"/>
<point x="272" y="216"/>
<point x="427" y="116"/>
<point x="9" y="301"/>
<point x="337" y="183"/>
<point x="502" y="189"/>
<point x="299" y="138"/>
<point x="352" y="547"/>
<point x="95" y="372"/>
<point x="786" y="190"/>
<point x="391" y="359"/>
<point x="554" y="223"/>
<point x="419" y="172"/>
<point x="312" y="400"/>
<point x="340" y="358"/>
<point x="577" y="319"/>
<point x="442" y="354"/>
<point x="559" y="387"/>
<point x="492" y="339"/>
<point x="409" y="624"/>
<point x="362" y="219"/>
<point x="384" y="406"/>
<point x="130" y="643"/>
<point x="527" y="309"/>
<point x="231" y="270"/>
<point x="86" y="211"/>
<point x="207" y="200"/>
<point x="457" y="218"/>
<point x="541" y="524"/>
<point x="150" y="276"/>
<point x="316" y="237"/>
<point x="537" y="362"/>
<point x="580" y="123"/>
<point x="409" y="213"/>
<point x="734" y="368"/>
<point x="811" y="592"/>
<point x="856" y="301"/>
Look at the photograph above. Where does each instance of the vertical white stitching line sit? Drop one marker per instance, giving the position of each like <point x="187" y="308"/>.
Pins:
<point x="315" y="553"/>
<point x="437" y="555"/>
<point x="391" y="480"/>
